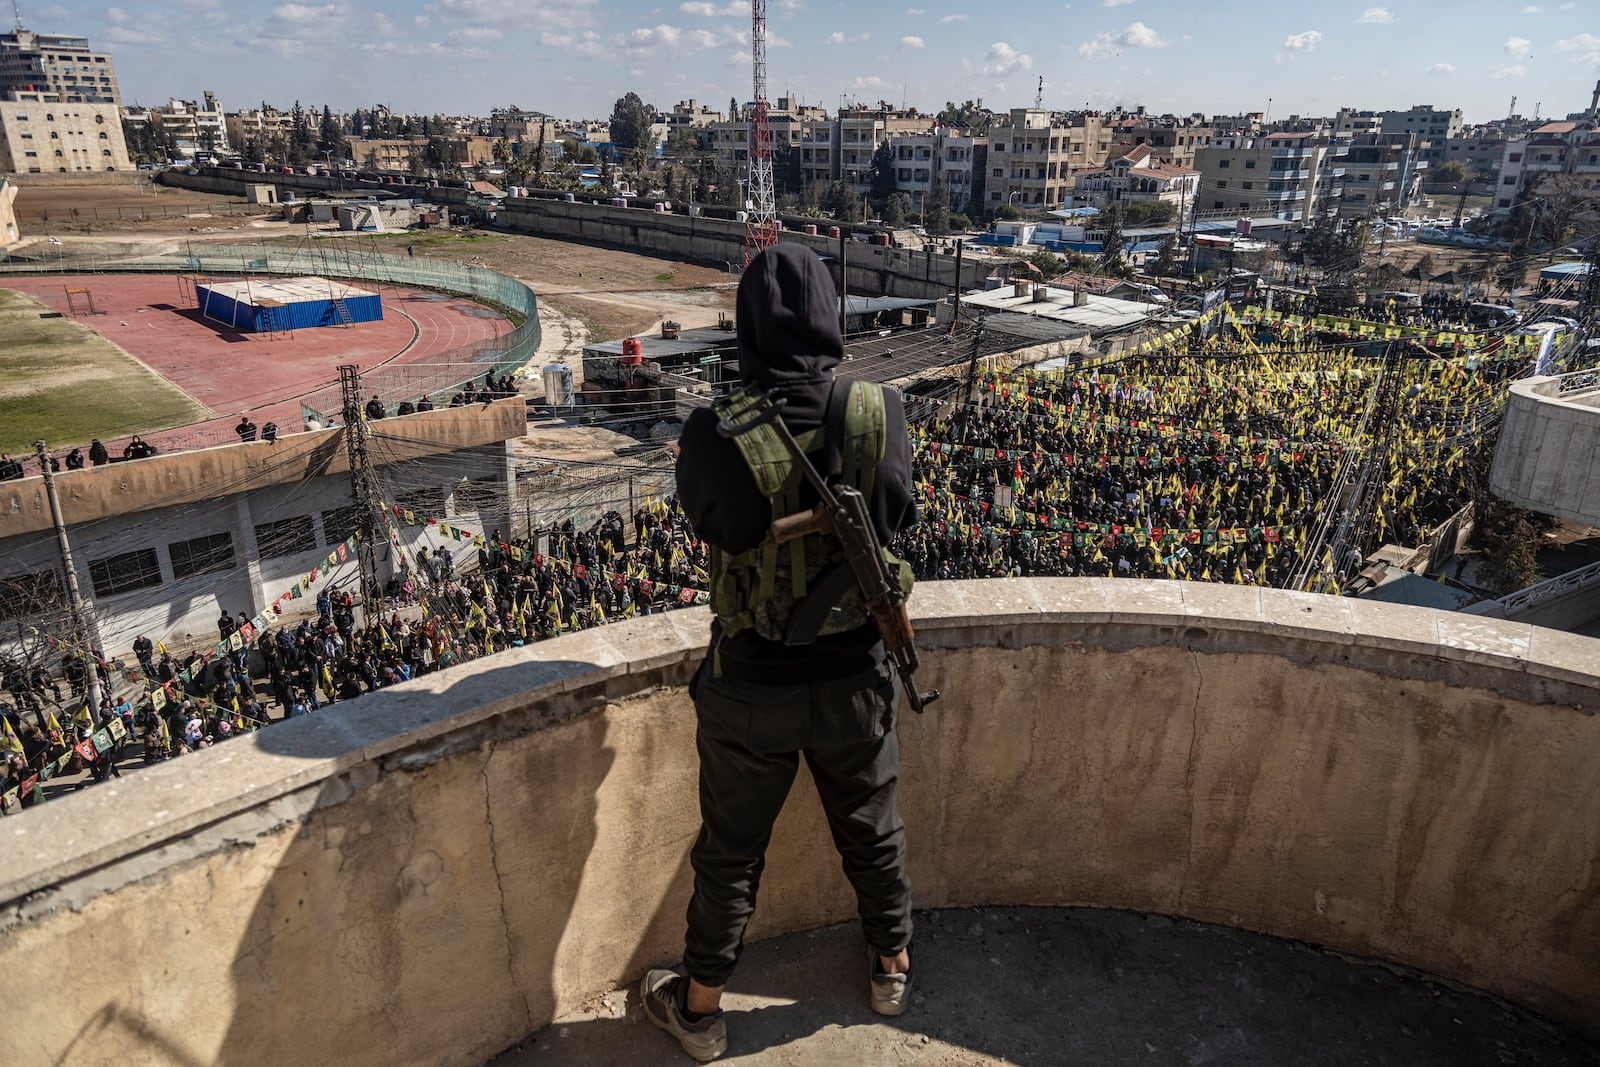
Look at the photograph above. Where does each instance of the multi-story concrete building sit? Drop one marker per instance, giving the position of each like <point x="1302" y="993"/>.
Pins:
<point x="1554" y="149"/>
<point x="1433" y="128"/>
<point x="59" y="66"/>
<point x="940" y="157"/>
<point x="1382" y="175"/>
<point x="515" y="124"/>
<point x="1033" y="155"/>
<point x="1137" y="178"/>
<point x="1480" y="151"/>
<point x="40" y="134"/>
<point x="1350" y="122"/>
<point x="195" y="126"/>
<point x="1282" y="175"/>
<point x="1170" y="139"/>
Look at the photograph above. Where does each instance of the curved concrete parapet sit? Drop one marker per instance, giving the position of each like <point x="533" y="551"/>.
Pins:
<point x="1548" y="458"/>
<point x="439" y="869"/>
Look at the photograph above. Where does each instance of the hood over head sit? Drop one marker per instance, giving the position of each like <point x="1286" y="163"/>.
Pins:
<point x="788" y="318"/>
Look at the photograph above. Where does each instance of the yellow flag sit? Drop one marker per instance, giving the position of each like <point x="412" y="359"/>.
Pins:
<point x="8" y="739"/>
<point x="83" y="718"/>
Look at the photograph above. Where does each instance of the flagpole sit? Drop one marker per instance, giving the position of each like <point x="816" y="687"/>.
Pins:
<point x="79" y="616"/>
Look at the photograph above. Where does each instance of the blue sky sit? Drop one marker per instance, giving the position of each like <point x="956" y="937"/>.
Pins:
<point x="573" y="58"/>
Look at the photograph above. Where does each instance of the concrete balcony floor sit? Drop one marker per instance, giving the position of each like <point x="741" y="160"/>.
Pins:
<point x="1076" y="986"/>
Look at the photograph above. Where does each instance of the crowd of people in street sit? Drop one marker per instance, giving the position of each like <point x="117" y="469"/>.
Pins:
<point x="440" y="612"/>
<point x="1212" y="466"/>
<point x="1217" y="462"/>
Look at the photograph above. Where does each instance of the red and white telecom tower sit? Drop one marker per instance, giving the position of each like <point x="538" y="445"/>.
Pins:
<point x="761" y="220"/>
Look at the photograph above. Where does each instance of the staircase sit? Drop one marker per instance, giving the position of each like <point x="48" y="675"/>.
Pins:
<point x="342" y="312"/>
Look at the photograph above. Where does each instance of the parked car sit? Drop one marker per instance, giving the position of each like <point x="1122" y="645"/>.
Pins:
<point x="1492" y="315"/>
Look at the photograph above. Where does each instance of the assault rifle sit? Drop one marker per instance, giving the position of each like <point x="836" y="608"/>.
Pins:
<point x="841" y="513"/>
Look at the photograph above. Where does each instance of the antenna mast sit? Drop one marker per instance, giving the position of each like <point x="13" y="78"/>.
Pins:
<point x="761" y="220"/>
<point x="16" y="6"/>
<point x="1038" y="97"/>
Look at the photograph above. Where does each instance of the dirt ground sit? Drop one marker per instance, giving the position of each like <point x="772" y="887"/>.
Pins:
<point x="131" y="204"/>
<point x="612" y="292"/>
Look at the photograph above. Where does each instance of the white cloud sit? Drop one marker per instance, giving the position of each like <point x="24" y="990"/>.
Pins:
<point x="480" y="33"/>
<point x="872" y="81"/>
<point x="1302" y="42"/>
<point x="712" y="11"/>
<point x="1114" y="3"/>
<point x="1376" y="16"/>
<point x="1517" y="46"/>
<point x="1516" y="70"/>
<point x="834" y="38"/>
<point x="1533" y="9"/>
<point x="954" y="18"/>
<point x="1442" y="68"/>
<point x="1136" y="35"/>
<point x="912" y="42"/>
<point x="1584" y="48"/>
<point x="1002" y="59"/>
<point x="915" y="11"/>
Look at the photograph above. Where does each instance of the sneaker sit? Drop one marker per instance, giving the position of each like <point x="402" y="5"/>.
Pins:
<point x="662" y="993"/>
<point x="890" y="992"/>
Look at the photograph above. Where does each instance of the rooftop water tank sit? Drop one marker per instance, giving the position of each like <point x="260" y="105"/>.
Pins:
<point x="632" y="352"/>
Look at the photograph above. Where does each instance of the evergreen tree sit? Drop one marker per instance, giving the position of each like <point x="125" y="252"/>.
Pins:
<point x="936" y="210"/>
<point x="630" y="123"/>
<point x="895" y="210"/>
<point x="1111" y="258"/>
<point x="883" y="176"/>
<point x="330" y="136"/>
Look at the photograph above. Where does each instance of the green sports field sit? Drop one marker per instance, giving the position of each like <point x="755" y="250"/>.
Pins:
<point x="65" y="384"/>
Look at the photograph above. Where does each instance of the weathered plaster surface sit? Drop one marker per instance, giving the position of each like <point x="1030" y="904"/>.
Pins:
<point x="439" y="869"/>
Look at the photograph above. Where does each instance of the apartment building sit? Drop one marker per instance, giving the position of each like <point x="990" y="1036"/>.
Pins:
<point x="195" y="126"/>
<point x="515" y="124"/>
<point x="59" y="66"/>
<point x="1428" y="123"/>
<point x="1290" y="176"/>
<point x="1137" y="178"/>
<point x="1034" y="155"/>
<point x="1169" y="139"/>
<point x="40" y="134"/>
<point x="1382" y="175"/>
<point x="1554" y="149"/>
<point x="938" y="157"/>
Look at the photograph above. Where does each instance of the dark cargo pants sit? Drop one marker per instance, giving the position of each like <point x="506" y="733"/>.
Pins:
<point x="750" y="739"/>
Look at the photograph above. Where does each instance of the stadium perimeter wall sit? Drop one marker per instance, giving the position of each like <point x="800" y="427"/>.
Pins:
<point x="922" y="274"/>
<point x="467" y="856"/>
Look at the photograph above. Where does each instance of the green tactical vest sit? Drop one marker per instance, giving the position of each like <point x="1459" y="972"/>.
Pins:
<point x="797" y="592"/>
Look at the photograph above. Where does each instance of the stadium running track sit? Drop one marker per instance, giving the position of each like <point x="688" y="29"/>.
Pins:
<point x="233" y="372"/>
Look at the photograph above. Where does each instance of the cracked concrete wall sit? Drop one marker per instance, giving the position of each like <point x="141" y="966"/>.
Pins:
<point x="479" y="852"/>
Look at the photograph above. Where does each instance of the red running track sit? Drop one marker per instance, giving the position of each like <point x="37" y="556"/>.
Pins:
<point x="231" y="371"/>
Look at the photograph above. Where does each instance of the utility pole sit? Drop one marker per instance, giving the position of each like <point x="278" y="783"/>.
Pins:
<point x="80" y="629"/>
<point x="364" y="489"/>
<point x="844" y="276"/>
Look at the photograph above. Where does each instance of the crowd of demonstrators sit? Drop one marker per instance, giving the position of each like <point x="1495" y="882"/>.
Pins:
<point x="562" y="580"/>
<point x="567" y="579"/>
<point x="1435" y="310"/>
<point x="1216" y="466"/>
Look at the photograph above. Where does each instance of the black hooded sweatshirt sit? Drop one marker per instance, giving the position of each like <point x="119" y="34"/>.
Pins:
<point x="789" y="341"/>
